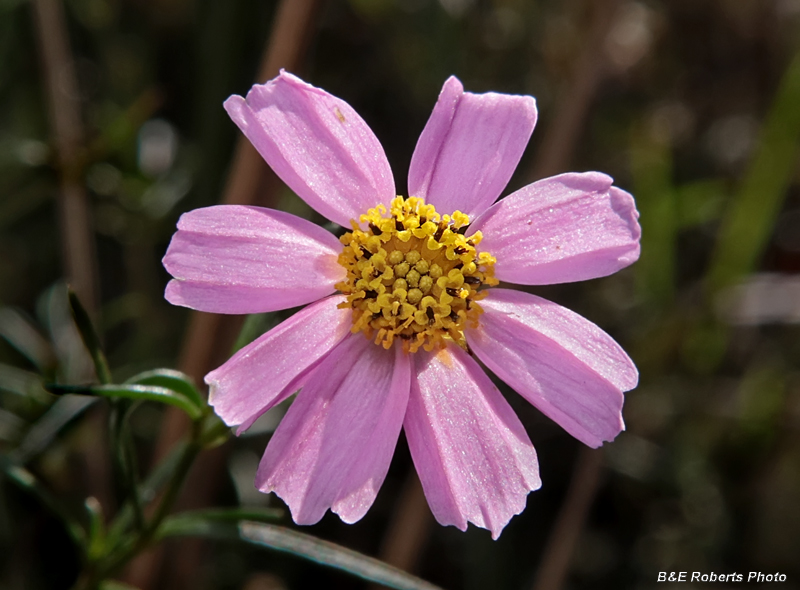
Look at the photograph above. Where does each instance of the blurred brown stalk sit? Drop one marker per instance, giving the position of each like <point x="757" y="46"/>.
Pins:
<point x="560" y="142"/>
<point x="209" y="337"/>
<point x="63" y="103"/>
<point x="409" y="529"/>
<point x="62" y="96"/>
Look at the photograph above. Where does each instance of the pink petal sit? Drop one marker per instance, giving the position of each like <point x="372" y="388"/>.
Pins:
<point x="560" y="362"/>
<point x="570" y="227"/>
<point x="469" y="148"/>
<point x="333" y="447"/>
<point x="317" y="144"/>
<point x="474" y="459"/>
<point x="270" y="369"/>
<point x="236" y="259"/>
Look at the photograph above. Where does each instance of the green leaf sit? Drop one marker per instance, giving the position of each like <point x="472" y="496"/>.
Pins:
<point x="116" y="585"/>
<point x="220" y="530"/>
<point x="46" y="428"/>
<point x="159" y="476"/>
<point x="171" y="379"/>
<point x="326" y="553"/>
<point x="214" y="432"/>
<point x="188" y="523"/>
<point x="28" y="482"/>
<point x="748" y="222"/>
<point x="97" y="528"/>
<point x="22" y="383"/>
<point x="11" y="426"/>
<point x="89" y="336"/>
<point x="700" y="202"/>
<point x="147" y="490"/>
<point x="651" y="167"/>
<point x="124" y="454"/>
<point x="22" y="335"/>
<point x="134" y="392"/>
<point x="217" y="525"/>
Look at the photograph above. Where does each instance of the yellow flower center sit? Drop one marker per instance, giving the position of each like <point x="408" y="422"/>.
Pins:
<point x="413" y="275"/>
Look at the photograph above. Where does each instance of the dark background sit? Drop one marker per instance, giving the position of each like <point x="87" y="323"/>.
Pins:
<point x="691" y="105"/>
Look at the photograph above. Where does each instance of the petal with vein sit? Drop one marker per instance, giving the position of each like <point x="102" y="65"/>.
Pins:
<point x="237" y="259"/>
<point x="469" y="148"/>
<point x="474" y="458"/>
<point x="270" y="369"/>
<point x="333" y="447"/>
<point x="317" y="144"/>
<point x="560" y="362"/>
<point x="570" y="227"/>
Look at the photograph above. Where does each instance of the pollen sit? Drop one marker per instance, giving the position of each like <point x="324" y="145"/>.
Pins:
<point x="413" y="276"/>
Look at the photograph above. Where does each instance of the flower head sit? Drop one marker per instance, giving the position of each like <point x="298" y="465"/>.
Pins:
<point x="401" y="303"/>
<point x="414" y="276"/>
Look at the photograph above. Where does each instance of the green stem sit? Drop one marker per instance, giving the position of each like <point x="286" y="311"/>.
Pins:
<point x="174" y="487"/>
<point x="90" y="338"/>
<point x="122" y="456"/>
<point x="131" y="479"/>
<point x="125" y="459"/>
<point x="122" y="554"/>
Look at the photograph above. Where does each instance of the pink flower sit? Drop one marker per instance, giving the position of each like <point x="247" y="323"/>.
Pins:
<point x="412" y="277"/>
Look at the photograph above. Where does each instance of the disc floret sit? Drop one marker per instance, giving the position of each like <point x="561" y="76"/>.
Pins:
<point x="412" y="274"/>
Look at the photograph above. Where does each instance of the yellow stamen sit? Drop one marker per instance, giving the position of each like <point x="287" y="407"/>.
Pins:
<point x="412" y="275"/>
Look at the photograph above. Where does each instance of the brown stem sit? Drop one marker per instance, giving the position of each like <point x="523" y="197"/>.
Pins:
<point x="209" y="337"/>
<point x="561" y="138"/>
<point x="406" y="534"/>
<point x="592" y="68"/>
<point x="404" y="540"/>
<point x="76" y="237"/>
<point x="63" y="103"/>
<point x="557" y="555"/>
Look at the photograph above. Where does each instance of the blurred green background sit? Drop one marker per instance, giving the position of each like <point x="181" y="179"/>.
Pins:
<point x="691" y="105"/>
